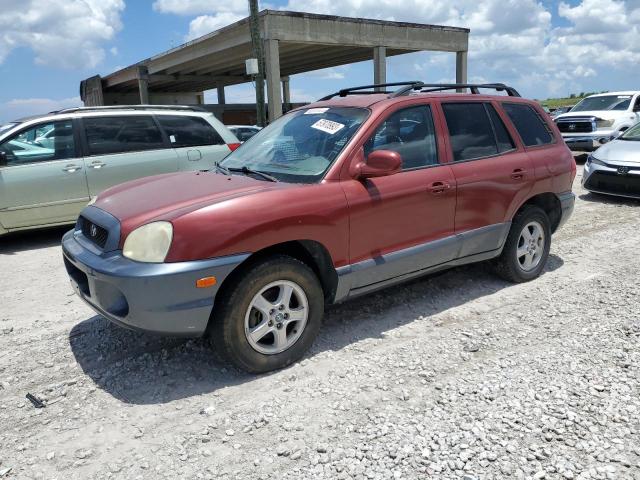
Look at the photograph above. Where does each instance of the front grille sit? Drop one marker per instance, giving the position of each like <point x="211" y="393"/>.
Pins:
<point x="577" y="126"/>
<point x="93" y="232"/>
<point x="613" y="182"/>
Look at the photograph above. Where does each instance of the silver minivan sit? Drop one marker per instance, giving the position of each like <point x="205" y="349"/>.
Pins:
<point x="52" y="165"/>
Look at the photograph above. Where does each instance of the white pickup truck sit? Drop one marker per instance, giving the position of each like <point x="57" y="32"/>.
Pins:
<point x="599" y="118"/>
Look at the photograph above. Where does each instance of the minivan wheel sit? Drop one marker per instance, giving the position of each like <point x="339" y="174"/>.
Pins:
<point x="269" y="315"/>
<point x="526" y="249"/>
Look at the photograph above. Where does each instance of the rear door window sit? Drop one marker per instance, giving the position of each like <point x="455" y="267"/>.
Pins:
<point x="188" y="131"/>
<point x="503" y="139"/>
<point x="470" y="131"/>
<point x="530" y="126"/>
<point x="409" y="132"/>
<point x="108" y="135"/>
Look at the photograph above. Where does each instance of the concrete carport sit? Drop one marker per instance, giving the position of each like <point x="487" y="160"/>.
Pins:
<point x="293" y="43"/>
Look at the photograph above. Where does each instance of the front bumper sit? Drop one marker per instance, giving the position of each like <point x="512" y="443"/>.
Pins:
<point x="619" y="179"/>
<point x="154" y="297"/>
<point x="587" y="142"/>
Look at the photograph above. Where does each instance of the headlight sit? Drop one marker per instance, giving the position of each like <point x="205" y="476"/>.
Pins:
<point x="92" y="200"/>
<point x="595" y="161"/>
<point x="149" y="243"/>
<point x="600" y="123"/>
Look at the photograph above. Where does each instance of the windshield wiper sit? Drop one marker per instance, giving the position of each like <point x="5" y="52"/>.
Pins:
<point x="247" y="170"/>
<point x="222" y="169"/>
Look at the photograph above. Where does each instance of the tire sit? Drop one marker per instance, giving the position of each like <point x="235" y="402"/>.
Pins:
<point x="253" y="299"/>
<point x="517" y="269"/>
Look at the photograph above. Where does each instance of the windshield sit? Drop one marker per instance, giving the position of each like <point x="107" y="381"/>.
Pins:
<point x="632" y="134"/>
<point x="299" y="147"/>
<point x="605" y="102"/>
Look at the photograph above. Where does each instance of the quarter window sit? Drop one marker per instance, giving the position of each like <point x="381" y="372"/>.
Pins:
<point x="186" y="131"/>
<point x="107" y="135"/>
<point x="44" y="142"/>
<point x="532" y="128"/>
<point x="409" y="132"/>
<point x="470" y="131"/>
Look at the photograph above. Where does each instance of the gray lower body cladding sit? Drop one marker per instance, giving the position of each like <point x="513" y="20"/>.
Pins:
<point x="153" y="297"/>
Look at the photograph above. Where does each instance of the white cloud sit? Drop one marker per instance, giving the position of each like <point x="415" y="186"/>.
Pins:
<point x="67" y="34"/>
<point x="208" y="23"/>
<point x="334" y="73"/>
<point x="24" y="107"/>
<point x="199" y="7"/>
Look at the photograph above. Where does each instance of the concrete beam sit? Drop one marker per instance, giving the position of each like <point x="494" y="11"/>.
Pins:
<point x="461" y="68"/>
<point x="309" y="28"/>
<point x="272" y="64"/>
<point x="379" y="65"/>
<point x="143" y="85"/>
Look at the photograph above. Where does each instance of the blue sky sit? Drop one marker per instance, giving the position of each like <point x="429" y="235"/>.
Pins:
<point x="546" y="48"/>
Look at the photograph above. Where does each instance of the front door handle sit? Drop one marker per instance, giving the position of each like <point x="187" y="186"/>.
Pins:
<point x="517" y="174"/>
<point x="97" y="164"/>
<point x="437" y="188"/>
<point x="71" y="168"/>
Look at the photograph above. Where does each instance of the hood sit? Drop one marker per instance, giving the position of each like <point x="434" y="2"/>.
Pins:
<point x="603" y="114"/>
<point x="619" y="151"/>
<point x="164" y="197"/>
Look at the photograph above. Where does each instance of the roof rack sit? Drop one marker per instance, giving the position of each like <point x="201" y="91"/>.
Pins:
<point x="420" y="87"/>
<point x="130" y="107"/>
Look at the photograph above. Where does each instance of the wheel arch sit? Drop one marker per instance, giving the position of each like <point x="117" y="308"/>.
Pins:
<point x="310" y="252"/>
<point x="550" y="203"/>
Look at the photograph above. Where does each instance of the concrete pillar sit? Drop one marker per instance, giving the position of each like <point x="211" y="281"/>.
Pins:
<point x="379" y="65"/>
<point x="272" y="64"/>
<point x="143" y="85"/>
<point x="286" y="93"/>
<point x="221" y="99"/>
<point x="461" y="68"/>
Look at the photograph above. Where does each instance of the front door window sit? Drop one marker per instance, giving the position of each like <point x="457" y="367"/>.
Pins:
<point x="41" y="143"/>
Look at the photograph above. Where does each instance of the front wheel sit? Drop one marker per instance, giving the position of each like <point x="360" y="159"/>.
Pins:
<point x="269" y="316"/>
<point x="526" y="249"/>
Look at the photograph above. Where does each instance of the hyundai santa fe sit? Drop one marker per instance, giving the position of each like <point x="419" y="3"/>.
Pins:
<point x="358" y="191"/>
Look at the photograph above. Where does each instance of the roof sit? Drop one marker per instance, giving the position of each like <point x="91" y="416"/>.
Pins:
<point x="306" y="42"/>
<point x="604" y="94"/>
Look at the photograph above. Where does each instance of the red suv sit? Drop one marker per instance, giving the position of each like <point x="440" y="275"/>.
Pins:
<point x="363" y="189"/>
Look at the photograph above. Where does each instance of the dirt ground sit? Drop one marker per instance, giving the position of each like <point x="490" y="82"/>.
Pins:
<point x="460" y="375"/>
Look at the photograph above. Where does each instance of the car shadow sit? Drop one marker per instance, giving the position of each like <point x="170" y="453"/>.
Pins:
<point x="609" y="199"/>
<point x="140" y="368"/>
<point x="16" y="242"/>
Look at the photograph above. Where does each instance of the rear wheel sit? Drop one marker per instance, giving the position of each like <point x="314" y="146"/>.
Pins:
<point x="527" y="246"/>
<point x="269" y="316"/>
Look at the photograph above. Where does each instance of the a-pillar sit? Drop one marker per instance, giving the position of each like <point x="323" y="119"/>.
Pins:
<point x="379" y="65"/>
<point x="272" y="63"/>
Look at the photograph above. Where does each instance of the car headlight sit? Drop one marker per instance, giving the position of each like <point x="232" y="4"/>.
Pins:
<point x="149" y="243"/>
<point x="591" y="159"/>
<point x="600" y="123"/>
<point x="92" y="200"/>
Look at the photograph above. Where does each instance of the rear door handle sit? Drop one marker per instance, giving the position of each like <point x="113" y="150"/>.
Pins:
<point x="97" y="164"/>
<point x="517" y="174"/>
<point x="71" y="168"/>
<point x="437" y="188"/>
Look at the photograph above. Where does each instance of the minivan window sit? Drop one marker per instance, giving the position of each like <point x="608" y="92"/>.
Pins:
<point x="470" y="130"/>
<point x="409" y="132"/>
<point x="189" y="131"/>
<point x="106" y="135"/>
<point x="530" y="126"/>
<point x="41" y="143"/>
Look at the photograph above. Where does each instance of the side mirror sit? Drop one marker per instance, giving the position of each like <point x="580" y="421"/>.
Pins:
<point x="379" y="163"/>
<point x="4" y="161"/>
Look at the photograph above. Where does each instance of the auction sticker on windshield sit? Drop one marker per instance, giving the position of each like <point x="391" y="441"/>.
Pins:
<point x="316" y="111"/>
<point x="328" y="126"/>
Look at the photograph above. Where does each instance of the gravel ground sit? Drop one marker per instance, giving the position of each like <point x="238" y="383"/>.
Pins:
<point x="459" y="375"/>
